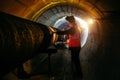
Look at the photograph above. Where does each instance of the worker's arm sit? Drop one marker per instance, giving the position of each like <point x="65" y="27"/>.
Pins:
<point x="69" y="31"/>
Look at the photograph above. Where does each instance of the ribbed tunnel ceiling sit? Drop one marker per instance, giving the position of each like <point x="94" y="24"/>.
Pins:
<point x="28" y="9"/>
<point x="51" y="15"/>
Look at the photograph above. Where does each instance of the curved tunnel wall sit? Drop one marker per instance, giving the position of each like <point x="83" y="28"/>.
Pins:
<point x="100" y="55"/>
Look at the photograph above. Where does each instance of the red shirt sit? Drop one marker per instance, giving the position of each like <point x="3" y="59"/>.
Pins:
<point x="74" y="39"/>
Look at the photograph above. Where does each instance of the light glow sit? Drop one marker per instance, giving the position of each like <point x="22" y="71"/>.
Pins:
<point x="81" y="23"/>
<point x="90" y="21"/>
<point x="84" y="26"/>
<point x="62" y="23"/>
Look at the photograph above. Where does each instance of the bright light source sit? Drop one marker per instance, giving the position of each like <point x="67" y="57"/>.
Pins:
<point x="81" y="23"/>
<point x="90" y="21"/>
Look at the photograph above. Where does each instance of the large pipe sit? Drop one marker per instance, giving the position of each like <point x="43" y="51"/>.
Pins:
<point x="20" y="40"/>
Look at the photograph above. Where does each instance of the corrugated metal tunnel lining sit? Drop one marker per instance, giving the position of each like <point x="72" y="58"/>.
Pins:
<point x="100" y="55"/>
<point x="51" y="15"/>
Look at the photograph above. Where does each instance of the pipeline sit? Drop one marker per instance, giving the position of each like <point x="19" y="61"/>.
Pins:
<point x="21" y="39"/>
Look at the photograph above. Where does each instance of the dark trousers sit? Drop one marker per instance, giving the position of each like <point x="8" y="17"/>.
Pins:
<point x="75" y="51"/>
<point x="21" y="73"/>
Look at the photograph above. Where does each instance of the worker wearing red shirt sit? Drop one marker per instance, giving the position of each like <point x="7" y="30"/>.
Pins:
<point x="74" y="42"/>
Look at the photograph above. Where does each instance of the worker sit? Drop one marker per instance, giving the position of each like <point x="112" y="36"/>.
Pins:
<point x="74" y="43"/>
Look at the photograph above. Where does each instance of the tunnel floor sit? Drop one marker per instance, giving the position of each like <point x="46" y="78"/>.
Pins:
<point x="57" y="67"/>
<point x="60" y="67"/>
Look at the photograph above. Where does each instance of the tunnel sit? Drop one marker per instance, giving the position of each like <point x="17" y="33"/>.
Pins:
<point x="100" y="53"/>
